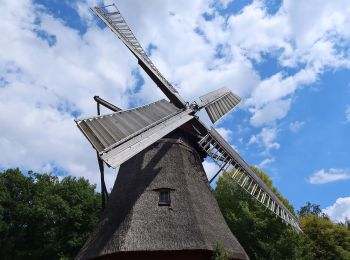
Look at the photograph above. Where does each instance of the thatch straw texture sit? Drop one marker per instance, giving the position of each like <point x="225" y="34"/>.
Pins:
<point x="134" y="223"/>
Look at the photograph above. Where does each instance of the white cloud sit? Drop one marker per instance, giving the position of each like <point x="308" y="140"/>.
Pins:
<point x="271" y="112"/>
<point x="298" y="34"/>
<point x="225" y="3"/>
<point x="46" y="85"/>
<point x="266" y="138"/>
<point x="210" y="168"/>
<point x="83" y="9"/>
<point x="296" y="126"/>
<point x="347" y="114"/>
<point x="268" y="101"/>
<point x="265" y="162"/>
<point x="323" y="176"/>
<point x="224" y="132"/>
<point x="340" y="210"/>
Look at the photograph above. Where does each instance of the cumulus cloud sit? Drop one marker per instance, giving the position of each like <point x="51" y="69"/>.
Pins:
<point x="49" y="71"/>
<point x="271" y="112"/>
<point x="265" y="162"/>
<point x="210" y="168"/>
<point x="323" y="176"/>
<point x="268" y="101"/>
<point x="340" y="210"/>
<point x="225" y="132"/>
<point x="225" y="3"/>
<point x="309" y="41"/>
<point x="295" y="127"/>
<point x="347" y="114"/>
<point x="266" y="138"/>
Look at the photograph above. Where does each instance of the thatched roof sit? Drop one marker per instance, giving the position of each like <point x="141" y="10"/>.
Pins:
<point x="134" y="222"/>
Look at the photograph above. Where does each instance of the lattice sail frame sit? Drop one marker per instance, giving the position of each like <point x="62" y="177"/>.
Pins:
<point x="219" y="102"/>
<point x="230" y="162"/>
<point x="112" y="17"/>
<point x="119" y="136"/>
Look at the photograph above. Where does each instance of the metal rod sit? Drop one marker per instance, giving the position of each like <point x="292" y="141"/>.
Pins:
<point x="104" y="193"/>
<point x="217" y="173"/>
<point x="105" y="104"/>
<point x="103" y="187"/>
<point x="222" y="161"/>
<point x="98" y="108"/>
<point x="206" y="145"/>
<point x="203" y="139"/>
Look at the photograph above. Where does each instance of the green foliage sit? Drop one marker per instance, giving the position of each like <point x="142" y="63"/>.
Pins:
<point x="266" y="179"/>
<point x="44" y="218"/>
<point x="311" y="209"/>
<point x="347" y="223"/>
<point x="325" y="239"/>
<point x="261" y="234"/>
<point x="220" y="253"/>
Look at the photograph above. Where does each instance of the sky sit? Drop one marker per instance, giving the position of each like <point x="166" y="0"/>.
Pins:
<point x="288" y="60"/>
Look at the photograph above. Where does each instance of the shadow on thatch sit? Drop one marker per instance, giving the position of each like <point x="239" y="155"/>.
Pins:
<point x="121" y="200"/>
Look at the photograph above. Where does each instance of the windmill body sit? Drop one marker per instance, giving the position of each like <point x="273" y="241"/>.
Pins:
<point x="136" y="224"/>
<point x="161" y="204"/>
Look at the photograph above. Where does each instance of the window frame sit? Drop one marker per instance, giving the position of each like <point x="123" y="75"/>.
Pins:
<point x="164" y="196"/>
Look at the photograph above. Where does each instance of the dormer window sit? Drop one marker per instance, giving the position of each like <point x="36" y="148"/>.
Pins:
<point x="164" y="196"/>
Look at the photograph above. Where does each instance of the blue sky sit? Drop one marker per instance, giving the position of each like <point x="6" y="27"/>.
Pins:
<point x="288" y="60"/>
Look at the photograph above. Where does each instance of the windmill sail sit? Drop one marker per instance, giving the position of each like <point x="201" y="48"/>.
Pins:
<point x="218" y="103"/>
<point x="112" y="17"/>
<point x="120" y="135"/>
<point x="116" y="156"/>
<point x="229" y="161"/>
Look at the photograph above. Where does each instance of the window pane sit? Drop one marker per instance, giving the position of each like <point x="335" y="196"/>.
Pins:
<point x="164" y="197"/>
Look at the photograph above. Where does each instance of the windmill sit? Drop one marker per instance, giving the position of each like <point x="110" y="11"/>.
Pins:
<point x="161" y="204"/>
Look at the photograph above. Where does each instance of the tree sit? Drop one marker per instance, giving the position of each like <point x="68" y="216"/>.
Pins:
<point x="261" y="234"/>
<point x="324" y="238"/>
<point x="44" y="218"/>
<point x="311" y="209"/>
<point x="220" y="253"/>
<point x="347" y="223"/>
